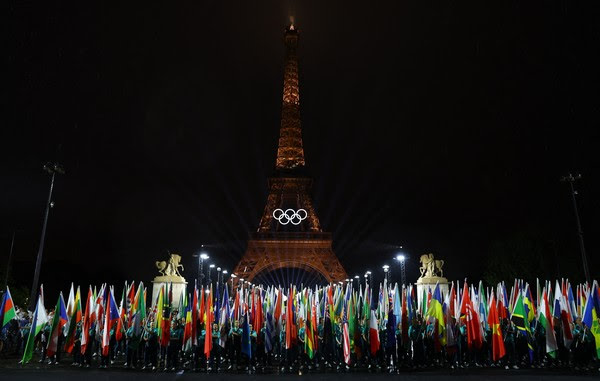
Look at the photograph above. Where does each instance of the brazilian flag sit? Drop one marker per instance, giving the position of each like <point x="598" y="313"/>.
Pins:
<point x="519" y="318"/>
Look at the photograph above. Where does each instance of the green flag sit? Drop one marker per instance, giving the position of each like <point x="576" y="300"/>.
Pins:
<point x="39" y="320"/>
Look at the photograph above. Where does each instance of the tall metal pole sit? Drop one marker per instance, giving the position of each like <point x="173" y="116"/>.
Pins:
<point x="12" y="245"/>
<point x="571" y="179"/>
<point x="403" y="271"/>
<point x="38" y="262"/>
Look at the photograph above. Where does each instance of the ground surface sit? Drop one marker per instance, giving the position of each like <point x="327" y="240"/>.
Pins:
<point x="11" y="370"/>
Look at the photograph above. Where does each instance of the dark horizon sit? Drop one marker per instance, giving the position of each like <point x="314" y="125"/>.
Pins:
<point x="441" y="128"/>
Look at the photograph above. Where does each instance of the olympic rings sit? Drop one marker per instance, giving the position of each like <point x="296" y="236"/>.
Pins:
<point x="290" y="215"/>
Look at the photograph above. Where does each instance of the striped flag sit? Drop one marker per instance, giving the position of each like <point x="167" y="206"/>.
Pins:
<point x="7" y="309"/>
<point x="39" y="319"/>
<point x="58" y="322"/>
<point x="72" y="323"/>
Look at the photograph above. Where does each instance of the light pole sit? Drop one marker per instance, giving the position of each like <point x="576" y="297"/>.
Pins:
<point x="52" y="169"/>
<point x="386" y="273"/>
<point x="402" y="259"/>
<point x="202" y="256"/>
<point x="212" y="266"/>
<point x="219" y="279"/>
<point x="233" y="276"/>
<point x="571" y="179"/>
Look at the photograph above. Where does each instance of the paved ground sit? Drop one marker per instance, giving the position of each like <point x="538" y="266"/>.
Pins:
<point x="35" y="372"/>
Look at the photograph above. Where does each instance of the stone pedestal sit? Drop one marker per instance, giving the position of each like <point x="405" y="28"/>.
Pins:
<point x="424" y="284"/>
<point x="177" y="283"/>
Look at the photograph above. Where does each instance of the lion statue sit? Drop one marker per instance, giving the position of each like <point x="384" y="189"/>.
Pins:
<point x="171" y="267"/>
<point x="431" y="267"/>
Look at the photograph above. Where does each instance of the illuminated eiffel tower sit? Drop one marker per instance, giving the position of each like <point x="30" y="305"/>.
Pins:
<point x="289" y="235"/>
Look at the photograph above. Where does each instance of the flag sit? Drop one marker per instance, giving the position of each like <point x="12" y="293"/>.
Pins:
<point x="498" y="350"/>
<point x="519" y="317"/>
<point x="122" y="314"/>
<point x="39" y="319"/>
<point x="309" y="336"/>
<point x="58" y="322"/>
<point x="87" y="321"/>
<point x="224" y="317"/>
<point x="7" y="309"/>
<point x="545" y="319"/>
<point x="208" y="326"/>
<point x="187" y="331"/>
<point x="269" y="333"/>
<point x="70" y="305"/>
<point x="591" y="314"/>
<point x="471" y="320"/>
<point x="73" y="320"/>
<point x="346" y="340"/>
<point x="436" y="312"/>
<point x="194" y="309"/>
<point x="110" y="319"/>
<point x="373" y="333"/>
<point x="139" y="310"/>
<point x="158" y="321"/>
<point x="561" y="312"/>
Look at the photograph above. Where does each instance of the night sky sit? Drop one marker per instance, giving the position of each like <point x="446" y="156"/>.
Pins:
<point x="443" y="127"/>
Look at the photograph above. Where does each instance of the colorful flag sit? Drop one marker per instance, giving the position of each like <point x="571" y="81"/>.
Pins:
<point x="73" y="320"/>
<point x="87" y="321"/>
<point x="110" y="319"/>
<point x="39" y="320"/>
<point x="58" y="322"/>
<point x="498" y="350"/>
<point x="545" y="319"/>
<point x="208" y="326"/>
<point x="519" y="317"/>
<point x="7" y="309"/>
<point x="591" y="314"/>
<point x="435" y="311"/>
<point x="373" y="333"/>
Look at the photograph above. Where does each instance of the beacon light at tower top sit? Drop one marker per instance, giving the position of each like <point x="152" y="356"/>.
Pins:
<point x="204" y="256"/>
<point x="400" y="257"/>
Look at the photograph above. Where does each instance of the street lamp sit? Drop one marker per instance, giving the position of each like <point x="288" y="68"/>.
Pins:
<point x="386" y="271"/>
<point x="402" y="259"/>
<point x="52" y="169"/>
<point x="202" y="256"/>
<point x="218" y="278"/>
<point x="212" y="266"/>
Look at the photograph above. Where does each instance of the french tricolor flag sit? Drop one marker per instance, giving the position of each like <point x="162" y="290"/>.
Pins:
<point x="111" y="318"/>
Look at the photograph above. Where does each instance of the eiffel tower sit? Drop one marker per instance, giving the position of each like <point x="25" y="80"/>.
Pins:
<point x="289" y="235"/>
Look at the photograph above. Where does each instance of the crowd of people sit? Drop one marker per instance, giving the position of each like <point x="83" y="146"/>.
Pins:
<point x="338" y="327"/>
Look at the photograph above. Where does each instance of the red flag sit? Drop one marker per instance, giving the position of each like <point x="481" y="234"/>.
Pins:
<point x="498" y="350"/>
<point x="208" y="327"/>
<point x="471" y="319"/>
<point x="373" y="333"/>
<point x="195" y="316"/>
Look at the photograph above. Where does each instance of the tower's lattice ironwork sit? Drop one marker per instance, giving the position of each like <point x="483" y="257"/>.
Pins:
<point x="303" y="245"/>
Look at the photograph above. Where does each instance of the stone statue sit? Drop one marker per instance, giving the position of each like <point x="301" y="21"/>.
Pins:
<point x="170" y="268"/>
<point x="431" y="267"/>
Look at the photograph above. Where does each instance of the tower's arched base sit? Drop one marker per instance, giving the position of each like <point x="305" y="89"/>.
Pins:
<point x="311" y="252"/>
